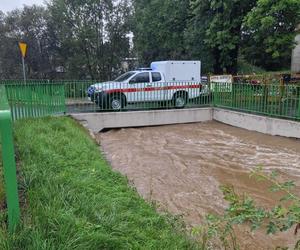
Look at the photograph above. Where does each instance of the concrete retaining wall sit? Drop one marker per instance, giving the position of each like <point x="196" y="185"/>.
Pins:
<point x="296" y="56"/>
<point x="263" y="124"/>
<point x="267" y="125"/>
<point x="98" y="121"/>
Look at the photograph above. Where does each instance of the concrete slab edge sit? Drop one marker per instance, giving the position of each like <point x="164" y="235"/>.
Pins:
<point x="262" y="124"/>
<point x="99" y="121"/>
<point x="96" y="122"/>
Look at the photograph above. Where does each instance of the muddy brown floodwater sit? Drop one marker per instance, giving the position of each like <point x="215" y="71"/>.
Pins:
<point x="181" y="168"/>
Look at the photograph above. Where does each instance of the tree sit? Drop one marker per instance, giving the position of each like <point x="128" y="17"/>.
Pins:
<point x="90" y="36"/>
<point x="8" y="54"/>
<point x="269" y="32"/>
<point x="215" y="29"/>
<point x="28" y="25"/>
<point x="195" y="34"/>
<point x="158" y="28"/>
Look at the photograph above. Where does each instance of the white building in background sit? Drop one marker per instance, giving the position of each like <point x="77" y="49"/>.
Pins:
<point x="296" y="54"/>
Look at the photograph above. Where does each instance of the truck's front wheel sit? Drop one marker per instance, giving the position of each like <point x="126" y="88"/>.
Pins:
<point x="116" y="102"/>
<point x="180" y="99"/>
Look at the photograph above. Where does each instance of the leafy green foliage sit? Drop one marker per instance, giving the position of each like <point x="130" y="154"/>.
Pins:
<point x="269" y="32"/>
<point x="215" y="31"/>
<point x="159" y="29"/>
<point x="205" y="30"/>
<point x="90" y="36"/>
<point x="242" y="209"/>
<point x="29" y="25"/>
<point x="218" y="23"/>
<point x="73" y="199"/>
<point x="245" y="68"/>
<point x="88" y="39"/>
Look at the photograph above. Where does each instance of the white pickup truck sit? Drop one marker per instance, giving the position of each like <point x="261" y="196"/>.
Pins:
<point x="176" y="81"/>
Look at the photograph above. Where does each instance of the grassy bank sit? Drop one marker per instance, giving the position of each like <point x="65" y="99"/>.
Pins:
<point x="73" y="200"/>
<point x="2" y="197"/>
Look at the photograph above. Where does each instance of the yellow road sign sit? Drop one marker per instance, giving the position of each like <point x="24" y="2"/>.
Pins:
<point x="23" y="48"/>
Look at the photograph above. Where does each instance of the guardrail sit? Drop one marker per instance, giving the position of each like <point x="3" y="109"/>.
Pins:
<point x="120" y="96"/>
<point x="9" y="164"/>
<point x="35" y="99"/>
<point x="274" y="100"/>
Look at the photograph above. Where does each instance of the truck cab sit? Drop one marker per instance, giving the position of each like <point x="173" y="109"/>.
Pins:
<point x="142" y="75"/>
<point x="158" y="83"/>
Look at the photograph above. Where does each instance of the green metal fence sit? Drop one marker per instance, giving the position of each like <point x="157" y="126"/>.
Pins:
<point x="141" y="96"/>
<point x="8" y="160"/>
<point x="274" y="100"/>
<point x="35" y="99"/>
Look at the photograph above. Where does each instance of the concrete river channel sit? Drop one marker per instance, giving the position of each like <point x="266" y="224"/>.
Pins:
<point x="181" y="168"/>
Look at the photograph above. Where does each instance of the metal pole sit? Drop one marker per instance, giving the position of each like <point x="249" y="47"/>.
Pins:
<point x="9" y="162"/>
<point x="24" y="75"/>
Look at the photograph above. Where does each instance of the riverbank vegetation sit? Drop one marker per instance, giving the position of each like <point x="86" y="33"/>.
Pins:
<point x="2" y="194"/>
<point x="219" y="230"/>
<point x="73" y="200"/>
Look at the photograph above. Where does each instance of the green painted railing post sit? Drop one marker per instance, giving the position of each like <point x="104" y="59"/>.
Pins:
<point x="9" y="163"/>
<point x="214" y="90"/>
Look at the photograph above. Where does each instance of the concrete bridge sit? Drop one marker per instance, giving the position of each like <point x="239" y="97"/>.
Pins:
<point x="97" y="122"/>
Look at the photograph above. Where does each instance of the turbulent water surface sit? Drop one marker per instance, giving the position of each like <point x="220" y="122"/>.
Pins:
<point x="181" y="167"/>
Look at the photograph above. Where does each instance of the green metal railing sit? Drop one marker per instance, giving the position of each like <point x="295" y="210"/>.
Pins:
<point x="8" y="160"/>
<point x="69" y="92"/>
<point x="138" y="96"/>
<point x="274" y="100"/>
<point x="35" y="99"/>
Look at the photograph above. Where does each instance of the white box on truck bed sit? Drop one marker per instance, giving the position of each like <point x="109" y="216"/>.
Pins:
<point x="179" y="70"/>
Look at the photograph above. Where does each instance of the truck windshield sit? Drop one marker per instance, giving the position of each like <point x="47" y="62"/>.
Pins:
<point x="125" y="76"/>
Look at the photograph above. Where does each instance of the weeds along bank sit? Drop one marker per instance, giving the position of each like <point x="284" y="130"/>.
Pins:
<point x="73" y="200"/>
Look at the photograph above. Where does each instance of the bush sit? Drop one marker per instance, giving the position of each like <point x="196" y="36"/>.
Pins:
<point x="243" y="210"/>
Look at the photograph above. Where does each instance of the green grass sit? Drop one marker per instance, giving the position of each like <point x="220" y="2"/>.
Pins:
<point x="2" y="194"/>
<point x="73" y="199"/>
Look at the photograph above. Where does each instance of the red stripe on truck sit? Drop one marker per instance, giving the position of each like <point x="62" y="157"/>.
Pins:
<point x="147" y="89"/>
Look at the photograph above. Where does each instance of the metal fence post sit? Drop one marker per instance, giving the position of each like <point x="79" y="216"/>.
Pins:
<point x="9" y="163"/>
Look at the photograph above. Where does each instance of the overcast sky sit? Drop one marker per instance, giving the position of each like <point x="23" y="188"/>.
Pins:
<point x="8" y="5"/>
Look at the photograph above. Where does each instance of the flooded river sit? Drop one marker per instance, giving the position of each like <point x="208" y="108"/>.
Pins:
<point x="181" y="168"/>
